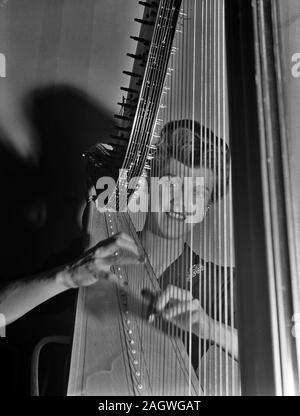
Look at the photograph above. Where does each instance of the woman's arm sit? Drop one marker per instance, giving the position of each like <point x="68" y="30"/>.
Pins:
<point x="220" y="334"/>
<point x="21" y="296"/>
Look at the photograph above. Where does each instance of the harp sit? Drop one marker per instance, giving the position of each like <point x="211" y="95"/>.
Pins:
<point x="176" y="109"/>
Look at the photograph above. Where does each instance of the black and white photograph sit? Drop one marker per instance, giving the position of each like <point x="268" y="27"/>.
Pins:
<point x="150" y="210"/>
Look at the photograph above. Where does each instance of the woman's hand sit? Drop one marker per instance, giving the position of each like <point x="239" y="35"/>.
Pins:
<point x="177" y="306"/>
<point x="117" y="250"/>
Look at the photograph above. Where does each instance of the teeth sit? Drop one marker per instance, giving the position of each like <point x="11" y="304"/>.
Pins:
<point x="176" y="215"/>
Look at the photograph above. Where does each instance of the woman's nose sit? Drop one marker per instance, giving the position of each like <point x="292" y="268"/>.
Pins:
<point x="178" y="199"/>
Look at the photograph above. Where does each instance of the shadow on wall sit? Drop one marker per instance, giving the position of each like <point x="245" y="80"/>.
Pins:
<point x="41" y="210"/>
<point x="67" y="123"/>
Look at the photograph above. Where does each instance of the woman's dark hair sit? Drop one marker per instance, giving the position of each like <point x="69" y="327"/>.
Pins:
<point x="210" y="151"/>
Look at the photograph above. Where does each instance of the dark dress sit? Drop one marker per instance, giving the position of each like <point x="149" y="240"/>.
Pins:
<point x="209" y="282"/>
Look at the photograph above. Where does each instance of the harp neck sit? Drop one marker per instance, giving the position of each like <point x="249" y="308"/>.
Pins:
<point x="139" y="146"/>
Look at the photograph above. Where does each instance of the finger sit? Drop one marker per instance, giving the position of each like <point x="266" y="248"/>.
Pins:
<point x="122" y="259"/>
<point x="151" y="318"/>
<point x="115" y="246"/>
<point x="180" y="309"/>
<point x="125" y="238"/>
<point x="109" y="250"/>
<point x="107" y="275"/>
<point x="172" y="293"/>
<point x="128" y="245"/>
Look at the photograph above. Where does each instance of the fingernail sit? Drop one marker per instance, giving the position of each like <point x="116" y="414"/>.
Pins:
<point x="151" y="318"/>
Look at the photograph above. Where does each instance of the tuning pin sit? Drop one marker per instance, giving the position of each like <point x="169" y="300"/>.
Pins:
<point x="147" y="166"/>
<point x="127" y="105"/>
<point x="130" y="90"/>
<point x="120" y="117"/>
<point x="144" y="22"/>
<point x="134" y="56"/>
<point x="139" y="39"/>
<point x="132" y="74"/>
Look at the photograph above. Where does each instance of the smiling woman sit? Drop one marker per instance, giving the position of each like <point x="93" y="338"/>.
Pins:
<point x="183" y="152"/>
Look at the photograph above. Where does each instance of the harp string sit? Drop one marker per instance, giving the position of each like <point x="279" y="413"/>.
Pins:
<point x="185" y="111"/>
<point x="224" y="135"/>
<point x="218" y="275"/>
<point x="193" y="83"/>
<point x="165" y="106"/>
<point x="171" y="109"/>
<point x="201" y="158"/>
<point x="181" y="36"/>
<point x="163" y="347"/>
<point x="183" y="52"/>
<point x="216" y="94"/>
<point x="176" y="66"/>
<point x="210" y="159"/>
<point x="187" y="108"/>
<point x="205" y="100"/>
<point x="174" y="111"/>
<point x="224" y="210"/>
<point x="220" y="392"/>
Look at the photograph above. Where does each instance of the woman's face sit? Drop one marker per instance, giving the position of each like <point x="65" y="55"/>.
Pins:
<point x="183" y="204"/>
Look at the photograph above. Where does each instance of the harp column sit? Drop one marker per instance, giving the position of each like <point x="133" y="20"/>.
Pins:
<point x="264" y="249"/>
